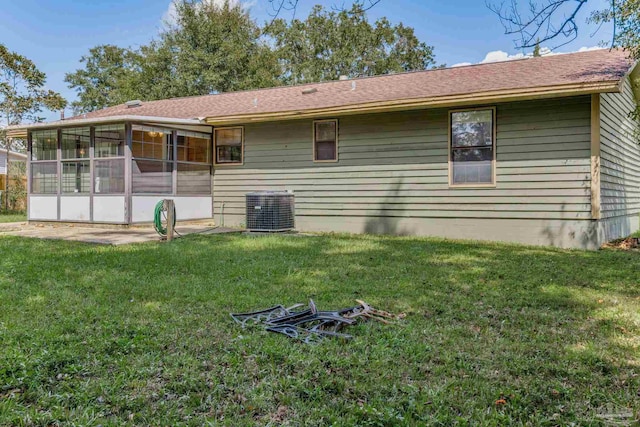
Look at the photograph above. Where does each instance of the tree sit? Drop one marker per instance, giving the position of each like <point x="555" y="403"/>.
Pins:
<point x="329" y="44"/>
<point x="106" y="78"/>
<point x="22" y="95"/>
<point x="557" y="21"/>
<point x="210" y="48"/>
<point x="280" y="6"/>
<point x="536" y="50"/>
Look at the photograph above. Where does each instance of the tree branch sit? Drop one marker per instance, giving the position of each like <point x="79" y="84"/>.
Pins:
<point x="544" y="21"/>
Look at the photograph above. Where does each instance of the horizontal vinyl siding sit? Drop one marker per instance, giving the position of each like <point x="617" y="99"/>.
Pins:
<point x="396" y="165"/>
<point x="620" y="155"/>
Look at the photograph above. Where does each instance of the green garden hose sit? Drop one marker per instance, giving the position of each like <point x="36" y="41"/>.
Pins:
<point x="160" y="214"/>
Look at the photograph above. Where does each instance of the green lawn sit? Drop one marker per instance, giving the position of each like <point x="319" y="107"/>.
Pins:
<point x="140" y="335"/>
<point x="12" y="217"/>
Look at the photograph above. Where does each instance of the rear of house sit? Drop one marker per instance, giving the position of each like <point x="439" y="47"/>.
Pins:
<point x="538" y="151"/>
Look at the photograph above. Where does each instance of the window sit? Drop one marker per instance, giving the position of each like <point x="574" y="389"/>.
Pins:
<point x="151" y="177"/>
<point x="75" y="177"/>
<point x="75" y="144"/>
<point x="151" y="143"/>
<point x="44" y="145"/>
<point x="152" y="166"/>
<point x="109" y="141"/>
<point x="194" y="147"/>
<point x="194" y="163"/>
<point x="472" y="150"/>
<point x="325" y="141"/>
<point x="194" y="179"/>
<point x="44" y="178"/>
<point x="229" y="145"/>
<point x="109" y="176"/>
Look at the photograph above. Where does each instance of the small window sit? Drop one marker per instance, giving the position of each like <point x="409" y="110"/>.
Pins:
<point x="229" y="145"/>
<point x="325" y="141"/>
<point x="472" y="147"/>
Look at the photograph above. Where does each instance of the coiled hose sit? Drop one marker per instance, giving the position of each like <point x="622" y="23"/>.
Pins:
<point x="160" y="214"/>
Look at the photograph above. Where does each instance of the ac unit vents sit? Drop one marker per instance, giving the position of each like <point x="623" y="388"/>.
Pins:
<point x="270" y="211"/>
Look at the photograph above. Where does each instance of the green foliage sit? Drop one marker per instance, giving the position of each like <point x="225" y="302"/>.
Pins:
<point x="212" y="47"/>
<point x="106" y="79"/>
<point x="626" y="16"/>
<point x="22" y="92"/>
<point x="329" y="44"/>
<point x="17" y="185"/>
<point x="495" y="334"/>
<point x="536" y="50"/>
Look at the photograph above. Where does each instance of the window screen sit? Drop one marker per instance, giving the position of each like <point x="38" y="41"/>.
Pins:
<point x="472" y="147"/>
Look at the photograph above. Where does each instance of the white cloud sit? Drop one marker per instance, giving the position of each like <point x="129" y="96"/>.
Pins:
<point x="501" y="56"/>
<point x="169" y="16"/>
<point x="586" y="49"/>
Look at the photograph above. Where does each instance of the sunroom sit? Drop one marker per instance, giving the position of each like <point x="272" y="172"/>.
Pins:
<point x="109" y="171"/>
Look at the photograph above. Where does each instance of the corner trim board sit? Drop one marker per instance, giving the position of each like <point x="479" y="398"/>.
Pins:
<point x="596" y="211"/>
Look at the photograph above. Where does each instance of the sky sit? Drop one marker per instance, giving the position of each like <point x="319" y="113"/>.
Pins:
<point x="56" y="33"/>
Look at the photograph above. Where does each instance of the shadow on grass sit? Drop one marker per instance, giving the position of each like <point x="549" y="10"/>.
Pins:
<point x="144" y="330"/>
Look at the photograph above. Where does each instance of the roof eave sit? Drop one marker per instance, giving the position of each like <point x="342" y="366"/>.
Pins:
<point x="20" y="131"/>
<point x="423" y="103"/>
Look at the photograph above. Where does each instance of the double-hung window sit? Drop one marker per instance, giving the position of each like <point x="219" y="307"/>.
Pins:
<point x="325" y="141"/>
<point x="229" y="143"/>
<point x="472" y="147"/>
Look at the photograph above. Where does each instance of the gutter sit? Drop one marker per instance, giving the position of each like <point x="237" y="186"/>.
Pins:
<point x="422" y="103"/>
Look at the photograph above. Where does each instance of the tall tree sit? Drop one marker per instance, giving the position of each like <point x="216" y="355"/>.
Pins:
<point x="210" y="48"/>
<point x="329" y="44"/>
<point x="22" y="96"/>
<point x="207" y="48"/>
<point x="106" y="79"/>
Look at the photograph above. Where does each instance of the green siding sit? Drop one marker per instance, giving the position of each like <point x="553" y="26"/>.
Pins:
<point x="620" y="163"/>
<point x="395" y="165"/>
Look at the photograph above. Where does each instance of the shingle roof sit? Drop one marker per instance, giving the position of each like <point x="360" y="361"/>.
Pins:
<point x="583" y="68"/>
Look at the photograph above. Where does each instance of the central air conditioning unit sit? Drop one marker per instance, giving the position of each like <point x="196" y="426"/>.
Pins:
<point x="270" y="211"/>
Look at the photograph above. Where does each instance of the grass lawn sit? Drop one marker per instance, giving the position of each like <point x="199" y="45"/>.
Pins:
<point x="140" y="335"/>
<point x="12" y="217"/>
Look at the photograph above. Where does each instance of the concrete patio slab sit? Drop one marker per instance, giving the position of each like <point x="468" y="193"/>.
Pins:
<point x="105" y="236"/>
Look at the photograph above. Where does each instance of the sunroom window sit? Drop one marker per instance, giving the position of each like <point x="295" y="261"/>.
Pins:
<point x="76" y="175"/>
<point x="152" y="166"/>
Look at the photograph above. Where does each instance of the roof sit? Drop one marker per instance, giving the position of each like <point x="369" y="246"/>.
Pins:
<point x="13" y="154"/>
<point x="593" y="71"/>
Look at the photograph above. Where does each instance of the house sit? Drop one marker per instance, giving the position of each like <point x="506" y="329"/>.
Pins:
<point x="539" y="151"/>
<point x="5" y="157"/>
